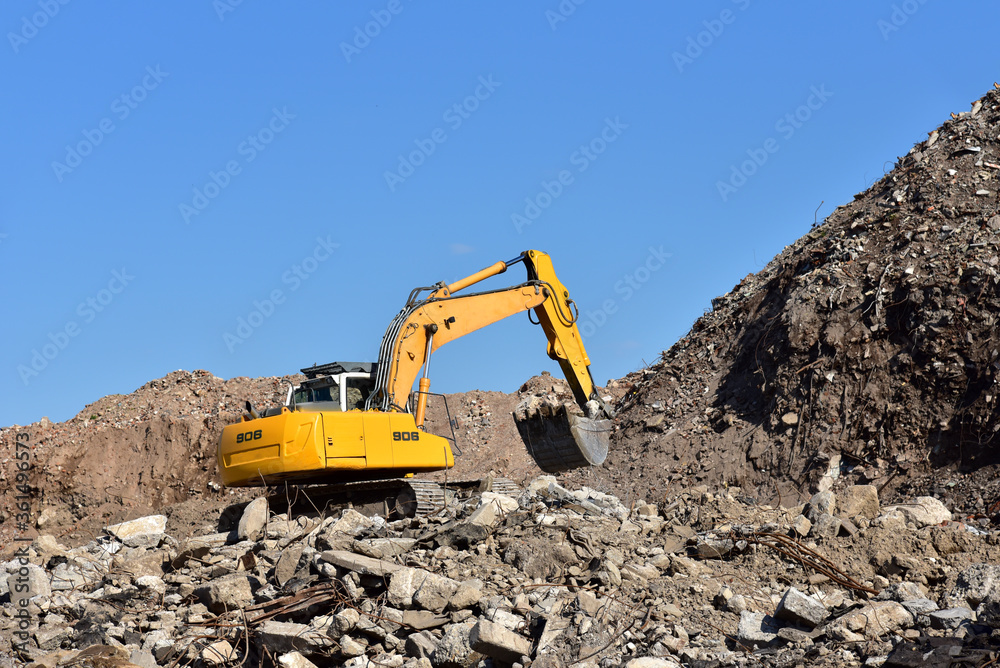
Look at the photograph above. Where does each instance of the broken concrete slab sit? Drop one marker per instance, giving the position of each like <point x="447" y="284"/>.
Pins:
<point x="797" y="608"/>
<point x="498" y="642"/>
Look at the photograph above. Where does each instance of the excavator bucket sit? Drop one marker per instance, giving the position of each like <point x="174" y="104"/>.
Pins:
<point x="559" y="440"/>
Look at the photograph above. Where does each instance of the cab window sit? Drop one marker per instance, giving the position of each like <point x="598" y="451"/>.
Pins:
<point x="358" y="390"/>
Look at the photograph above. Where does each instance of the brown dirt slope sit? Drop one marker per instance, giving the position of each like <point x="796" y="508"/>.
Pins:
<point x="127" y="455"/>
<point x="871" y="339"/>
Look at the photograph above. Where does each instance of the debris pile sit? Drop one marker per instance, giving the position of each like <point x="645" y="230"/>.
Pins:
<point x="867" y="345"/>
<point x="553" y="577"/>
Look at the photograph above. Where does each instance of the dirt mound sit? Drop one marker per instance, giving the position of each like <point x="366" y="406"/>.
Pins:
<point x="867" y="346"/>
<point x="127" y="455"/>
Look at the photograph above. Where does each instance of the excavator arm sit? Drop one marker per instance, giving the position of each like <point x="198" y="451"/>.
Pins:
<point x="429" y="321"/>
<point x="424" y="325"/>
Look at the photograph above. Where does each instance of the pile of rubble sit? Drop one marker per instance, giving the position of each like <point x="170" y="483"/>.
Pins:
<point x="869" y="342"/>
<point x="553" y="577"/>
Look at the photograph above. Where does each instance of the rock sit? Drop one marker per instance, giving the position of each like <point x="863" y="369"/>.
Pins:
<point x="790" y="419"/>
<point x="647" y="510"/>
<point x="52" y="637"/>
<point x="797" y="608"/>
<point x="974" y="584"/>
<point x="152" y="583"/>
<point x="822" y="503"/>
<point x="47" y="547"/>
<point x="295" y="660"/>
<point x="492" y="509"/>
<point x="142" y="532"/>
<point x="920" y="606"/>
<point x="158" y="643"/>
<point x="988" y="612"/>
<point x="30" y="575"/>
<point x="384" y="548"/>
<point x="253" y="520"/>
<point x="500" y="643"/>
<point x="423" y="619"/>
<point x="198" y="547"/>
<point x="346" y="620"/>
<point x="421" y="645"/>
<point x="231" y="592"/>
<point x="351" y="647"/>
<point x="359" y="563"/>
<point x="350" y="523"/>
<point x="291" y="637"/>
<point x="142" y="658"/>
<point x="453" y="649"/>
<point x="757" y="628"/>
<point x="847" y="527"/>
<point x="794" y="635"/>
<point x="642" y="573"/>
<point x="902" y="591"/>
<point x="288" y="563"/>
<point x="218" y="653"/>
<point x="689" y="567"/>
<point x="826" y="525"/>
<point x="923" y="511"/>
<point x="801" y="526"/>
<point x="858" y="501"/>
<point x="872" y="621"/>
<point x="951" y="618"/>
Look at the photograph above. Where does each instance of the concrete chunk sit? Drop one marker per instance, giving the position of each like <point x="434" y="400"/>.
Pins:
<point x="858" y="501"/>
<point x="797" y="608"/>
<point x="360" y="564"/>
<point x="757" y="628"/>
<point x="923" y="511"/>
<point x="951" y="619"/>
<point x="872" y="621"/>
<point x="291" y="637"/>
<point x="141" y="532"/>
<point x="295" y="660"/>
<point x="496" y="641"/>
<point x="253" y="520"/>
<point x="227" y="593"/>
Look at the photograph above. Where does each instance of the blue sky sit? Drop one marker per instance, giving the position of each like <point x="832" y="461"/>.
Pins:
<point x="170" y="168"/>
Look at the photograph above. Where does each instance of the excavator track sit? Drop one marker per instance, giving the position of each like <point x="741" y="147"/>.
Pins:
<point x="404" y="497"/>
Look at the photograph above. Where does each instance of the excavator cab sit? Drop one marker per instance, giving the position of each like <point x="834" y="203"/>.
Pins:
<point x="328" y="390"/>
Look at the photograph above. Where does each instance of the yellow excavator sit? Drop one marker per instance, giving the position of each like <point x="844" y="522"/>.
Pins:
<point x="358" y="421"/>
